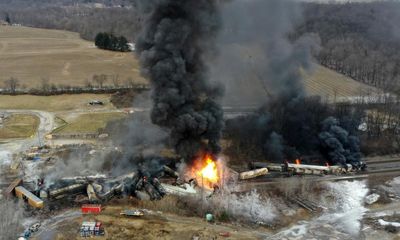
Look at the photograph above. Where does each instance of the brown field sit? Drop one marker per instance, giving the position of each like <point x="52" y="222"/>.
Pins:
<point x="19" y="126"/>
<point x="330" y="84"/>
<point x="55" y="103"/>
<point x="32" y="54"/>
<point x="152" y="226"/>
<point x="87" y="122"/>
<point x="251" y="88"/>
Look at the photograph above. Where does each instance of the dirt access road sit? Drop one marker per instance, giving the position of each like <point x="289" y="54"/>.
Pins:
<point x="46" y="125"/>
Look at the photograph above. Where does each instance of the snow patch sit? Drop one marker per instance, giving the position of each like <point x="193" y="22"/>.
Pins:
<point x="385" y="223"/>
<point x="296" y="231"/>
<point x="395" y="186"/>
<point x="344" y="202"/>
<point x="347" y="209"/>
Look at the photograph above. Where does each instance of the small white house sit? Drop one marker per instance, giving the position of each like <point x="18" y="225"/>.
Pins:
<point x="132" y="47"/>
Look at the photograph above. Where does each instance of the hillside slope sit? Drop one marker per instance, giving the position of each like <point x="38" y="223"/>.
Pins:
<point x="332" y="85"/>
<point x="31" y="55"/>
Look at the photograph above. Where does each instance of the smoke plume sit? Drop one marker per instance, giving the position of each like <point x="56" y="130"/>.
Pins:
<point x="257" y="60"/>
<point x="341" y="147"/>
<point x="269" y="60"/>
<point x="176" y="38"/>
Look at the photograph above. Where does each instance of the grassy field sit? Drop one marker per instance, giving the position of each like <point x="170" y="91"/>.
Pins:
<point x="330" y="84"/>
<point x="248" y="85"/>
<point x="19" y="126"/>
<point x="31" y="54"/>
<point x="55" y="103"/>
<point x="87" y="122"/>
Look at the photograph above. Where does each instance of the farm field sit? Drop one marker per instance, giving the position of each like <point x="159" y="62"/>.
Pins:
<point x="61" y="57"/>
<point x="87" y="122"/>
<point x="330" y="84"/>
<point x="249" y="85"/>
<point x="19" y="126"/>
<point x="55" y="103"/>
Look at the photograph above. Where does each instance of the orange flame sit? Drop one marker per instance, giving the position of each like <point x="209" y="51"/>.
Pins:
<point x="298" y="161"/>
<point x="210" y="172"/>
<point x="206" y="172"/>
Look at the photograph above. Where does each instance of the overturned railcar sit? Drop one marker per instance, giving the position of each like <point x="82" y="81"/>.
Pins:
<point x="29" y="197"/>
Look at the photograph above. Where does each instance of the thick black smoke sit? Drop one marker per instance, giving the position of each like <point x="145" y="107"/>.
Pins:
<point x="176" y="38"/>
<point x="303" y="127"/>
<point x="336" y="142"/>
<point x="290" y="125"/>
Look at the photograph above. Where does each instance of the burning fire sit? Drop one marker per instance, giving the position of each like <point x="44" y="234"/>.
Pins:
<point x="298" y="162"/>
<point x="206" y="171"/>
<point x="210" y="171"/>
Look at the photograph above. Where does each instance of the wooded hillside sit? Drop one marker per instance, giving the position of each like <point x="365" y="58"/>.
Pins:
<point x="360" y="40"/>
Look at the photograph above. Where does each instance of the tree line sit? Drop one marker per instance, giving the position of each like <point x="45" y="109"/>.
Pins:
<point x="101" y="83"/>
<point x="87" y="21"/>
<point x="109" y="41"/>
<point x="360" y="40"/>
<point x="63" y="3"/>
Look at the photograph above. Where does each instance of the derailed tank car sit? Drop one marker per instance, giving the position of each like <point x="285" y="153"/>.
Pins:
<point x="300" y="169"/>
<point x="306" y="169"/>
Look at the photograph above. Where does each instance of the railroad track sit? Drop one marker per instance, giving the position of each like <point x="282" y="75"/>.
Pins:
<point x="257" y="183"/>
<point x="306" y="204"/>
<point x="382" y="161"/>
<point x="384" y="170"/>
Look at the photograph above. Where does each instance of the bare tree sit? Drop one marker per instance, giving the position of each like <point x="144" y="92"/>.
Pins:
<point x="11" y="84"/>
<point x="88" y="84"/>
<point x="100" y="80"/>
<point x="129" y="82"/>
<point x="45" y="85"/>
<point x="115" y="80"/>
